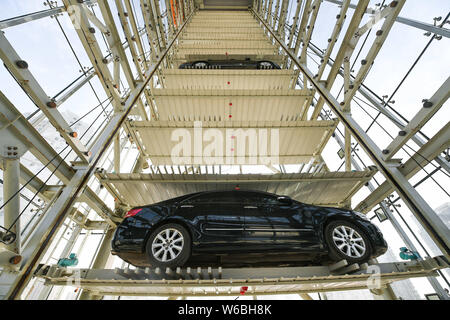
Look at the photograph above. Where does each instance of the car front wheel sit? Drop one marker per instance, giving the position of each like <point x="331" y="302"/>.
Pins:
<point x="200" y="65"/>
<point x="265" y="65"/>
<point x="347" y="241"/>
<point x="169" y="246"/>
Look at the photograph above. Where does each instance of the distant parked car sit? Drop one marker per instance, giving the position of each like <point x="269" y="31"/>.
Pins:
<point x="229" y="64"/>
<point x="167" y="233"/>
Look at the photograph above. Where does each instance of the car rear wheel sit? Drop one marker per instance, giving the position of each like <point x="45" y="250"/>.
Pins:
<point x="201" y="65"/>
<point x="169" y="246"/>
<point x="347" y="241"/>
<point x="265" y="65"/>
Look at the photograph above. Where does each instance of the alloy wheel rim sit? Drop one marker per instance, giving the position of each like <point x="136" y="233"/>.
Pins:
<point x="265" y="64"/>
<point x="349" y="241"/>
<point x="167" y="245"/>
<point x="200" y="65"/>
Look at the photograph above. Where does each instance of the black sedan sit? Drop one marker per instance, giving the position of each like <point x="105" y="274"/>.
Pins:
<point x="238" y="222"/>
<point x="229" y="64"/>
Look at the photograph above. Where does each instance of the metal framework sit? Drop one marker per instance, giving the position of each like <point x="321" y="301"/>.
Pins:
<point x="128" y="161"/>
<point x="211" y="281"/>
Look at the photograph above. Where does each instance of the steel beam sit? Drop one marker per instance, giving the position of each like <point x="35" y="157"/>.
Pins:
<point x="137" y="38"/>
<point x="100" y="262"/>
<point x="410" y="22"/>
<point x="421" y="158"/>
<point x="388" y="14"/>
<point x="302" y="28"/>
<point x="309" y="27"/>
<point x="80" y="18"/>
<point x="151" y="35"/>
<point x="382" y="108"/>
<point x="294" y="23"/>
<point x="283" y="16"/>
<point x="160" y="24"/>
<point x="430" y="107"/>
<point x="343" y="52"/>
<point x="227" y="281"/>
<point x="269" y="18"/>
<point x="7" y="23"/>
<point x="154" y="26"/>
<point x="78" y="85"/>
<point x="20" y="70"/>
<point x="134" y="54"/>
<point x="13" y="121"/>
<point x="334" y="36"/>
<point x="11" y="211"/>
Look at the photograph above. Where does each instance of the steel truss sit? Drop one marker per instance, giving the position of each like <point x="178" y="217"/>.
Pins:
<point x="209" y="281"/>
<point x="162" y="33"/>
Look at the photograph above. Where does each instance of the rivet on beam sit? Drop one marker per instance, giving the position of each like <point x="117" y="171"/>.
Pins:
<point x="427" y="103"/>
<point x="51" y="104"/>
<point x="22" y="64"/>
<point x="393" y="4"/>
<point x="16" y="259"/>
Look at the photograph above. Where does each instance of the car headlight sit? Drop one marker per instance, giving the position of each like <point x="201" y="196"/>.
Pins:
<point x="361" y="215"/>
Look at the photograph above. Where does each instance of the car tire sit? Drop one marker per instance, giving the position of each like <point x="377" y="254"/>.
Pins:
<point x="200" y="65"/>
<point x="172" y="255"/>
<point x="263" y="63"/>
<point x="355" y="247"/>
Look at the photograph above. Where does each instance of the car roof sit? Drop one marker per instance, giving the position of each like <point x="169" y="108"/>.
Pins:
<point x="190" y="195"/>
<point x="233" y="190"/>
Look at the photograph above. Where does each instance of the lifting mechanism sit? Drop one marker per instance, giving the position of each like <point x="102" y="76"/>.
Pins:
<point x="149" y="98"/>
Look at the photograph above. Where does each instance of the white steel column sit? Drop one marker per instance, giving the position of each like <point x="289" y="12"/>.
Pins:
<point x="101" y="262"/>
<point x="11" y="186"/>
<point x="117" y="150"/>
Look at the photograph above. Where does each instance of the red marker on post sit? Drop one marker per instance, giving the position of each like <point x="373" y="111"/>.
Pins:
<point x="243" y="290"/>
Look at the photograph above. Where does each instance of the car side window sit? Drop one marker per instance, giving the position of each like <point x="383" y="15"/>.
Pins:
<point x="267" y="199"/>
<point x="215" y="197"/>
<point x="261" y="198"/>
<point x="203" y="198"/>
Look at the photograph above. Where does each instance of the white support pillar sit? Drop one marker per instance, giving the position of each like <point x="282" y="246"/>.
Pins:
<point x="101" y="262"/>
<point x="384" y="294"/>
<point x="11" y="187"/>
<point x="305" y="296"/>
<point x="117" y="150"/>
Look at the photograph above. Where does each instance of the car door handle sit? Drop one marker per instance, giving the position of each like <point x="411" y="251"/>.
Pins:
<point x="187" y="206"/>
<point x="250" y="207"/>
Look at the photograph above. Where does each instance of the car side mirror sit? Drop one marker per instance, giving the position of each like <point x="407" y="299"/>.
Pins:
<point x="285" y="200"/>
